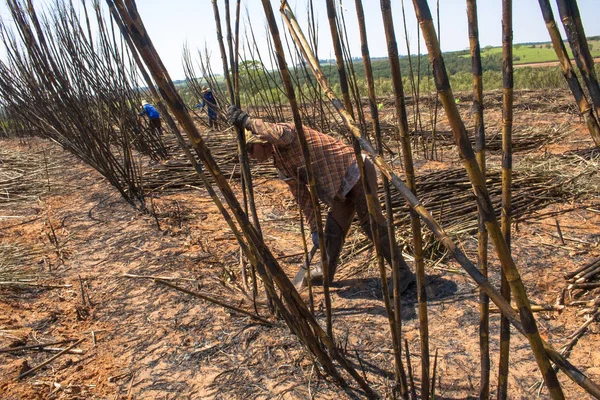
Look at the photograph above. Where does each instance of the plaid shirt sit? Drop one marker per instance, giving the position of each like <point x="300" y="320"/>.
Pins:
<point x="331" y="161"/>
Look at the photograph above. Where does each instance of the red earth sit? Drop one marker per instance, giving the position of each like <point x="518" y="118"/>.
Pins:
<point x="92" y="257"/>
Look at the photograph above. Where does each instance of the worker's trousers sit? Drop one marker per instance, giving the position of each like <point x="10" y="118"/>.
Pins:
<point x="341" y="214"/>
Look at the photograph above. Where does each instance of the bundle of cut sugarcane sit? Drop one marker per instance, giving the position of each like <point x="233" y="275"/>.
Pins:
<point x="586" y="277"/>
<point x="526" y="139"/>
<point x="447" y="195"/>
<point x="530" y="100"/>
<point x="177" y="173"/>
<point x="18" y="265"/>
<point x="25" y="175"/>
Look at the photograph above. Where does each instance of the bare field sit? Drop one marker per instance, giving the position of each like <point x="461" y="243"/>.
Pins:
<point x="89" y="259"/>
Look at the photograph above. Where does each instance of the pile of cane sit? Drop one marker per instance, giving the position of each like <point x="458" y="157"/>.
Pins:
<point x="587" y="277"/>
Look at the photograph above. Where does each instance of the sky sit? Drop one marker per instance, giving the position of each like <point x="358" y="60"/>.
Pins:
<point x="174" y="23"/>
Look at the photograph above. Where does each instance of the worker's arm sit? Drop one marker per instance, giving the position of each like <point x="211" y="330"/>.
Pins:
<point x="279" y="135"/>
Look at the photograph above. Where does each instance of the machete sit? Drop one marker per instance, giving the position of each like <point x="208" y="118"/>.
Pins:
<point x="299" y="278"/>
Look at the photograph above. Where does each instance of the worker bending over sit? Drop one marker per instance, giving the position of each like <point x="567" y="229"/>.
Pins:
<point x="337" y="178"/>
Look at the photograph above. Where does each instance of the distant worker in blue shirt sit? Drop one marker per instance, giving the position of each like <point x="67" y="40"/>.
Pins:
<point x="153" y="116"/>
<point x="208" y="100"/>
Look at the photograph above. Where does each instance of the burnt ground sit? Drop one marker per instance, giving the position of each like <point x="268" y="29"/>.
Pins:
<point x="90" y="256"/>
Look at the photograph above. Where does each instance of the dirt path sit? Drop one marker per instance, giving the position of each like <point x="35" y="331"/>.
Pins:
<point x="143" y="340"/>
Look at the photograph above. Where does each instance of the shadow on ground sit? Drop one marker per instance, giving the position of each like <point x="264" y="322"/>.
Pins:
<point x="438" y="288"/>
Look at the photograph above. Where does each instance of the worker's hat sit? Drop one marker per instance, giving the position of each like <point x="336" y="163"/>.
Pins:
<point x="204" y="89"/>
<point x="144" y="102"/>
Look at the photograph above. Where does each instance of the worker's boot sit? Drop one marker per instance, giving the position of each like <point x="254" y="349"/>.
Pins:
<point x="334" y="240"/>
<point x="405" y="276"/>
<point x="316" y="276"/>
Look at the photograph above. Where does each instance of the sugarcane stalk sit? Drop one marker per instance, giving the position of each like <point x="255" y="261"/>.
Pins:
<point x="584" y="269"/>
<point x="482" y="235"/>
<point x="243" y="155"/>
<point x="506" y="214"/>
<point x="331" y="16"/>
<point x="214" y="300"/>
<point x="402" y="121"/>
<point x="379" y="143"/>
<point x="248" y="191"/>
<point x="414" y="89"/>
<point x="590" y="285"/>
<point x="234" y="58"/>
<point x="236" y="52"/>
<point x="434" y="117"/>
<point x="311" y="301"/>
<point x="588" y="274"/>
<point x="537" y="308"/>
<point x="246" y="182"/>
<point x="433" y="377"/>
<point x="413" y="390"/>
<point x="394" y="318"/>
<point x="49" y="360"/>
<point x="569" y="13"/>
<point x="585" y="109"/>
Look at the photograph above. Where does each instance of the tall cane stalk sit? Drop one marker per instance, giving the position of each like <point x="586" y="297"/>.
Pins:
<point x="331" y="16"/>
<point x="569" y="13"/>
<point x="585" y="109"/>
<point x="482" y="236"/>
<point x="393" y="322"/>
<point x="379" y="143"/>
<point x="483" y="198"/>
<point x="243" y="155"/>
<point x="418" y="124"/>
<point x="287" y="82"/>
<point x="247" y="186"/>
<point x="507" y="120"/>
<point x="409" y="172"/>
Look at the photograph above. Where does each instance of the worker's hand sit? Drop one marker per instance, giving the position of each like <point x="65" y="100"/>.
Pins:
<point x="315" y="238"/>
<point x="236" y="117"/>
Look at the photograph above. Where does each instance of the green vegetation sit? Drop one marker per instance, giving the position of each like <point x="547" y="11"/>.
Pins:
<point x="536" y="52"/>
<point x="259" y="86"/>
